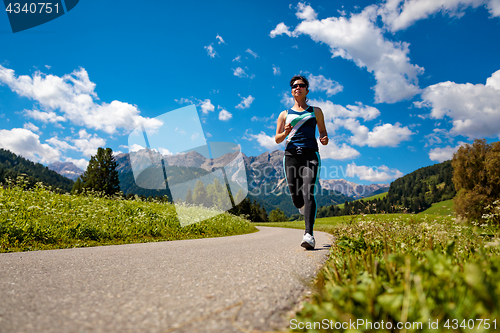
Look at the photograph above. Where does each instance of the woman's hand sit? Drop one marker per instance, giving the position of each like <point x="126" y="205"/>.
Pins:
<point x="324" y="140"/>
<point x="288" y="128"/>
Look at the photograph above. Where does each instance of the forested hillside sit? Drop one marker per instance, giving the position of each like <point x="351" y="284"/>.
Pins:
<point x="412" y="193"/>
<point x="12" y="166"/>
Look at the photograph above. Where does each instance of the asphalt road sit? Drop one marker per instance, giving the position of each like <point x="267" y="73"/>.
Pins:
<point x="228" y="284"/>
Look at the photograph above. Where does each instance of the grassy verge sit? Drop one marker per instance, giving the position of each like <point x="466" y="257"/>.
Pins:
<point x="440" y="208"/>
<point x="428" y="273"/>
<point x="39" y="219"/>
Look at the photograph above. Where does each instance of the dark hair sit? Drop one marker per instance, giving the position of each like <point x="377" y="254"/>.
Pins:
<point x="299" y="77"/>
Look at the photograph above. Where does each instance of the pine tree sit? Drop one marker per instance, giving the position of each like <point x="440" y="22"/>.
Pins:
<point x="101" y="174"/>
<point x="77" y="186"/>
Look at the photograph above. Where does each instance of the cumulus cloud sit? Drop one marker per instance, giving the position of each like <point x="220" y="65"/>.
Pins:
<point x="443" y="154"/>
<point x="72" y="97"/>
<point x="87" y="143"/>
<point x="358" y="38"/>
<point x="334" y="152"/>
<point x="473" y="108"/>
<point x="81" y="163"/>
<point x="494" y="8"/>
<point x="27" y="144"/>
<point x="224" y="115"/>
<point x="280" y="30"/>
<point x="32" y="127"/>
<point x="246" y="102"/>
<point x="398" y="14"/>
<point x="332" y="111"/>
<point x="207" y="106"/>
<point x="210" y="51"/>
<point x="321" y="83"/>
<point x="386" y="135"/>
<point x="374" y="174"/>
<point x="276" y="70"/>
<point x="305" y="12"/>
<point x="264" y="140"/>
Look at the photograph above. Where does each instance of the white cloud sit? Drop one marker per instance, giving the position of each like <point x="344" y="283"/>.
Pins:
<point x="246" y="102"/>
<point x="210" y="51"/>
<point x="386" y="135"/>
<point x="221" y="40"/>
<point x="165" y="151"/>
<point x="88" y="143"/>
<point x="32" y="127"/>
<point x="255" y="55"/>
<point x="224" y="115"/>
<point x="184" y="101"/>
<point x="473" y="108"/>
<point x="207" y="106"/>
<point x="276" y="70"/>
<point x="321" y="83"/>
<point x="443" y="154"/>
<point x="280" y="30"/>
<point x="494" y="8"/>
<point x="81" y="163"/>
<point x="238" y="58"/>
<point x="332" y="111"/>
<point x="240" y="72"/>
<point x="398" y="15"/>
<point x="62" y="145"/>
<point x="264" y="140"/>
<point x="373" y="174"/>
<point x="359" y="39"/>
<point x="27" y="144"/>
<point x="334" y="152"/>
<point x="74" y="97"/>
<point x="135" y="147"/>
<point x="305" y="12"/>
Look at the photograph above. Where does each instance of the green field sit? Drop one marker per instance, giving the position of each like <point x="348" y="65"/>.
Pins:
<point x="440" y="208"/>
<point x="40" y="219"/>
<point x="373" y="197"/>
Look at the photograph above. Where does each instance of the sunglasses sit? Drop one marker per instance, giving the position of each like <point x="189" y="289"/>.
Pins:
<point x="302" y="85"/>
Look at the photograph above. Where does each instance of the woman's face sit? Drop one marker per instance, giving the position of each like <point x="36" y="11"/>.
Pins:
<point x="299" y="89"/>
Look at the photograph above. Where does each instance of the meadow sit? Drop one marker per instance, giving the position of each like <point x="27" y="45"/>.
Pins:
<point x="419" y="272"/>
<point x="39" y="219"/>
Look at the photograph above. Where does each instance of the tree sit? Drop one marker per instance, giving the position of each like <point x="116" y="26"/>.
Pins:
<point x="200" y="194"/>
<point x="277" y="215"/>
<point x="77" y="186"/>
<point x="476" y="176"/>
<point x="101" y="174"/>
<point x="189" y="197"/>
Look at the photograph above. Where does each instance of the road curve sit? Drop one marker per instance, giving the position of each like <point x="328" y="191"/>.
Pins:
<point x="228" y="284"/>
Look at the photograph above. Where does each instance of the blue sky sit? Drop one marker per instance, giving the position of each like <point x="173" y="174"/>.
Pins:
<point x="401" y="84"/>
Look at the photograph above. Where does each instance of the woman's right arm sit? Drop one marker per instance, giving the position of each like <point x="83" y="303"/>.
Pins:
<point x="282" y="130"/>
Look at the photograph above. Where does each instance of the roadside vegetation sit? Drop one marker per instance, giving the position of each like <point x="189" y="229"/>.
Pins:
<point x="435" y="271"/>
<point x="38" y="219"/>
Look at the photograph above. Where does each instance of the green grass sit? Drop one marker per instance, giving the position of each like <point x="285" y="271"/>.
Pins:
<point x="440" y="208"/>
<point x="409" y="268"/>
<point x="40" y="219"/>
<point x="373" y="197"/>
<point x="405" y="268"/>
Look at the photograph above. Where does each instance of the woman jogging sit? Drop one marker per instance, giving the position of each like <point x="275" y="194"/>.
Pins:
<point x="302" y="162"/>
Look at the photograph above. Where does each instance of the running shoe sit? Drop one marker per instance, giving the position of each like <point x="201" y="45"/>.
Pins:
<point x="301" y="209"/>
<point x="308" y="242"/>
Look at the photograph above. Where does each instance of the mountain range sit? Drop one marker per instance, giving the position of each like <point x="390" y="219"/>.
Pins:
<point x="264" y="176"/>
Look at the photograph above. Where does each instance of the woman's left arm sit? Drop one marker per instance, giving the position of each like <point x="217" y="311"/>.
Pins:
<point x="320" y="121"/>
